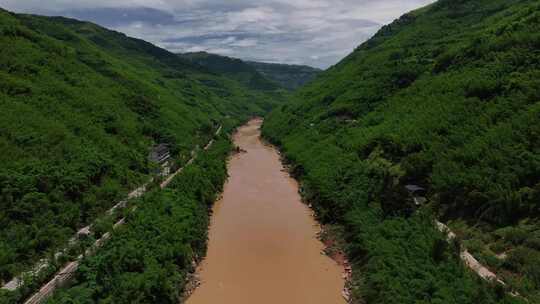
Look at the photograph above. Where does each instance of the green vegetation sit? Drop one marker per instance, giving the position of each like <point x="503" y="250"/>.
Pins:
<point x="80" y="106"/>
<point x="148" y="259"/>
<point x="288" y="76"/>
<point x="255" y="75"/>
<point x="448" y="98"/>
<point x="234" y="68"/>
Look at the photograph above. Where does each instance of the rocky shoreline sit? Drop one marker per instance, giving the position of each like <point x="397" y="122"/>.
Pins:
<point x="333" y="248"/>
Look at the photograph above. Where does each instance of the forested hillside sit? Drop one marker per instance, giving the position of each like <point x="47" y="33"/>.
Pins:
<point x="256" y="75"/>
<point x="234" y="68"/>
<point x="289" y="76"/>
<point x="80" y="107"/>
<point x="446" y="98"/>
<point x="149" y="259"/>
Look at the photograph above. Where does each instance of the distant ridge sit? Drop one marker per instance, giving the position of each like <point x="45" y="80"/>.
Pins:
<point x="287" y="75"/>
<point x="233" y="68"/>
<point x="256" y="75"/>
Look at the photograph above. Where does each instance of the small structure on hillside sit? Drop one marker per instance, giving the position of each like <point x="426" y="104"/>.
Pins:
<point x="83" y="232"/>
<point x="161" y="155"/>
<point x="417" y="193"/>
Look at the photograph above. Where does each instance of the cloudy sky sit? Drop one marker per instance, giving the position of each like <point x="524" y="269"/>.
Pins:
<point x="313" y="32"/>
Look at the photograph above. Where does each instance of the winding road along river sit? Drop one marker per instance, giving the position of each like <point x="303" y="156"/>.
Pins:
<point x="263" y="246"/>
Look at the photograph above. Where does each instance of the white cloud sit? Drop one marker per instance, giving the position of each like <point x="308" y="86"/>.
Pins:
<point x="245" y="43"/>
<point x="257" y="14"/>
<point x="315" y="32"/>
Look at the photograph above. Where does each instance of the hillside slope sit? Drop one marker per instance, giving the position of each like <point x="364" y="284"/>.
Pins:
<point x="447" y="98"/>
<point x="256" y="75"/>
<point x="232" y="67"/>
<point x="287" y="75"/>
<point x="80" y="106"/>
<point x="149" y="259"/>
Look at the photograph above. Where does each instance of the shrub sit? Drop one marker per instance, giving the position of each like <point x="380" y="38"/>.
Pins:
<point x="483" y="87"/>
<point x="516" y="235"/>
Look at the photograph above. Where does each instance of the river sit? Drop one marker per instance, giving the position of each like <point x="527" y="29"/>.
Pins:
<point x="263" y="245"/>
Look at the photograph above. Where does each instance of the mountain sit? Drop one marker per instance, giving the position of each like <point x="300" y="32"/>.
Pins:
<point x="256" y="75"/>
<point x="289" y="76"/>
<point x="446" y="98"/>
<point x="233" y="68"/>
<point x="80" y="107"/>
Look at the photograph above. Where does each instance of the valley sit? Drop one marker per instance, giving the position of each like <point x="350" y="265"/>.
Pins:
<point x="130" y="173"/>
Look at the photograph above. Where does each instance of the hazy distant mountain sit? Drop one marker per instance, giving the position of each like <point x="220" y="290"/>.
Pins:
<point x="288" y="76"/>
<point x="233" y="68"/>
<point x="256" y="75"/>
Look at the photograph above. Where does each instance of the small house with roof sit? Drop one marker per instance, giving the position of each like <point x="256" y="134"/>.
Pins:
<point x="417" y="193"/>
<point x="161" y="155"/>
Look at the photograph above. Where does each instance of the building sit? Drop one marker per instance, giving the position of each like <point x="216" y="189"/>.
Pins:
<point x="417" y="193"/>
<point x="160" y="155"/>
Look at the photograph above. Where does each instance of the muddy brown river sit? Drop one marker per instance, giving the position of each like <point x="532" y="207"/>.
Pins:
<point x="263" y="246"/>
